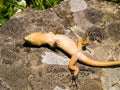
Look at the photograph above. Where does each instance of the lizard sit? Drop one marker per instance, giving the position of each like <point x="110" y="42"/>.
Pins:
<point x="69" y="46"/>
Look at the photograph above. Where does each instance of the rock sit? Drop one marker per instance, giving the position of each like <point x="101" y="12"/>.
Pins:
<point x="58" y="88"/>
<point x="81" y="20"/>
<point x="110" y="79"/>
<point x="51" y="58"/>
<point x="77" y="5"/>
<point x="25" y="67"/>
<point x="4" y="85"/>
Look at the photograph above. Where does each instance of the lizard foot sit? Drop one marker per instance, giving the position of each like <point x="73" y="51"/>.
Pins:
<point x="74" y="79"/>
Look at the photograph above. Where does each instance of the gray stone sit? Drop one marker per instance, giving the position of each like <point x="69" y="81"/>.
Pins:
<point x="81" y="20"/>
<point x="52" y="58"/>
<point x="4" y="85"/>
<point x="77" y="5"/>
<point x="111" y="79"/>
<point x="58" y="88"/>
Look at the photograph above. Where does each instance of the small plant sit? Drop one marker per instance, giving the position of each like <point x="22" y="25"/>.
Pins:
<point x="8" y="8"/>
<point x="113" y="1"/>
<point x="42" y="4"/>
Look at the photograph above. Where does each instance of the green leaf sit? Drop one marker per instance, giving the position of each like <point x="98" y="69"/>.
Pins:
<point x="16" y="5"/>
<point x="56" y="2"/>
<point x="3" y="21"/>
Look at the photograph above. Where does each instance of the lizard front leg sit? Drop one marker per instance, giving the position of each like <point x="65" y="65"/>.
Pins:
<point x="82" y="42"/>
<point x="86" y="40"/>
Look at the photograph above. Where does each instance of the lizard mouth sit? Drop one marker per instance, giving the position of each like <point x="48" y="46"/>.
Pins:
<point x="27" y="40"/>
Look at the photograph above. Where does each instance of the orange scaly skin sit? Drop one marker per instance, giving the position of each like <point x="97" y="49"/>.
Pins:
<point x="69" y="46"/>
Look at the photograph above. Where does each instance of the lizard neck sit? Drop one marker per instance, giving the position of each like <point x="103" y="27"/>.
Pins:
<point x="50" y="39"/>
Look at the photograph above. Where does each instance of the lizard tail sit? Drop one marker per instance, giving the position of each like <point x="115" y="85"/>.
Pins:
<point x="86" y="60"/>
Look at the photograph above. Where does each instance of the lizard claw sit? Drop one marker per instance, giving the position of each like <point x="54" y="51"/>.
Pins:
<point x="74" y="83"/>
<point x="74" y="79"/>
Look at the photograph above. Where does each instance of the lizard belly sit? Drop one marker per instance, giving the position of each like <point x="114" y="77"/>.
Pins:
<point x="67" y="44"/>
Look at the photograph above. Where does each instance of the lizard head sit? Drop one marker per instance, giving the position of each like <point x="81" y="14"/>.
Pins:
<point x="34" y="39"/>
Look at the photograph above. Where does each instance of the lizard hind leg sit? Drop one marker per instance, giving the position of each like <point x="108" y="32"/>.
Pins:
<point x="73" y="67"/>
<point x="74" y="79"/>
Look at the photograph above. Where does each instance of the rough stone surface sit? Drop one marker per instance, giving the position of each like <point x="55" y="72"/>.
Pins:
<point x="58" y="88"/>
<point x="77" y="5"/>
<point x="21" y="66"/>
<point x="4" y="85"/>
<point x="51" y="58"/>
<point x="110" y="83"/>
